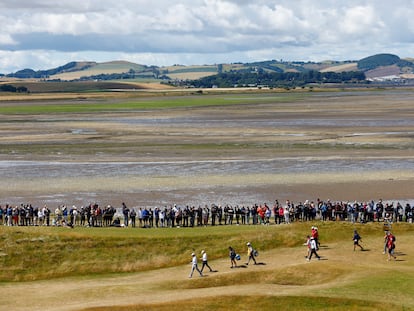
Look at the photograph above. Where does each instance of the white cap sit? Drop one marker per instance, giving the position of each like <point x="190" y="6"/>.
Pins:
<point x="192" y="254"/>
<point x="248" y="243"/>
<point x="202" y="252"/>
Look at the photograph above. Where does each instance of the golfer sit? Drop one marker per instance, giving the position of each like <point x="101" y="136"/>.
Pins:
<point x="391" y="246"/>
<point x="232" y="255"/>
<point x="313" y="248"/>
<point x="194" y="266"/>
<point x="250" y="253"/>
<point x="356" y="239"/>
<point x="205" y="262"/>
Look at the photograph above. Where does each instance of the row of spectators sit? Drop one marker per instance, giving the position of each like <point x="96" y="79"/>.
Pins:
<point x="93" y="215"/>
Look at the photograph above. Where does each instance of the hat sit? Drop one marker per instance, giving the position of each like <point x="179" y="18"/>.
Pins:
<point x="202" y="252"/>
<point x="248" y="243"/>
<point x="192" y="254"/>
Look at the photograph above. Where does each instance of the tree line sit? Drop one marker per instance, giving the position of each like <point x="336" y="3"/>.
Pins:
<point x="277" y="79"/>
<point x="12" y="89"/>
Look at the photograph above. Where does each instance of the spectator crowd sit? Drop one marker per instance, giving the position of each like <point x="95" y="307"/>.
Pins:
<point x="93" y="215"/>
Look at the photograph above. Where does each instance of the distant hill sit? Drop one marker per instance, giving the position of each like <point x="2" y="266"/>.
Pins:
<point x="94" y="69"/>
<point x="85" y="71"/>
<point x="69" y="67"/>
<point x="379" y="60"/>
<point x="385" y="65"/>
<point x="376" y="66"/>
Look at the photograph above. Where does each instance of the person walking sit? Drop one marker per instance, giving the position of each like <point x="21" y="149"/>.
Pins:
<point x="386" y="242"/>
<point x="391" y="246"/>
<point x="205" y="261"/>
<point x="250" y="254"/>
<point x="308" y="246"/>
<point x="315" y="235"/>
<point x="356" y="239"/>
<point x="313" y="248"/>
<point x="194" y="266"/>
<point x="232" y="255"/>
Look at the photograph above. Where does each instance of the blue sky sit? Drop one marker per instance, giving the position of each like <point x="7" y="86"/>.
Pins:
<point x="43" y="34"/>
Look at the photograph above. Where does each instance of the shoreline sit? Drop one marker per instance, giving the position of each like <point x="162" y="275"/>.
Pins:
<point x="201" y="190"/>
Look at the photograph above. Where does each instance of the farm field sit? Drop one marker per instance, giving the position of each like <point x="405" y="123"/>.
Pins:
<point x="198" y="149"/>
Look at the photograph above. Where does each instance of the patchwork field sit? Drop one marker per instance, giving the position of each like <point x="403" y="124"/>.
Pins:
<point x="196" y="149"/>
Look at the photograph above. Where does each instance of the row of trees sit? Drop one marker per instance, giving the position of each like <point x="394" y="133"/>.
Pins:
<point x="277" y="79"/>
<point x="13" y="89"/>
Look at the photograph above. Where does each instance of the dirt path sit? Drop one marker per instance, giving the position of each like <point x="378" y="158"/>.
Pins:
<point x="152" y="286"/>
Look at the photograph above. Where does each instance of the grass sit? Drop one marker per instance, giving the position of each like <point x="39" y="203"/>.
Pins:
<point x="50" y="253"/>
<point x="36" y="108"/>
<point x="30" y="252"/>
<point x="34" y="253"/>
<point x="248" y="303"/>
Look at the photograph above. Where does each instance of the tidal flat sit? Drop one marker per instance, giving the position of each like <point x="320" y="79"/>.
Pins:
<point x="209" y="148"/>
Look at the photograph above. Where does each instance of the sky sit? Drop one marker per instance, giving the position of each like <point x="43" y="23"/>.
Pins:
<point x="44" y="34"/>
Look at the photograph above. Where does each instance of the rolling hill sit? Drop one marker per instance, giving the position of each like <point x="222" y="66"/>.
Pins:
<point x="376" y="66"/>
<point x="114" y="67"/>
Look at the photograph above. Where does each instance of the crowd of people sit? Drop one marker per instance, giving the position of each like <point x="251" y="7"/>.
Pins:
<point x="94" y="215"/>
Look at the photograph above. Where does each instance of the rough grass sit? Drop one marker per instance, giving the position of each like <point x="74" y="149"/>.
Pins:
<point x="288" y="276"/>
<point x="42" y="253"/>
<point x="34" y="253"/>
<point x="309" y="303"/>
<point x="342" y="280"/>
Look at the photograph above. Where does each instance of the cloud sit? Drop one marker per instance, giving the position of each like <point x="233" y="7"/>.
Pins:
<point x="7" y="40"/>
<point x="211" y="30"/>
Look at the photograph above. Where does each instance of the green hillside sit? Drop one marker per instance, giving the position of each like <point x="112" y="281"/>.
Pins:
<point x="378" y="60"/>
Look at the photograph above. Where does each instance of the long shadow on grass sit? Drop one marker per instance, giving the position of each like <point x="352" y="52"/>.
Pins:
<point x="400" y="254"/>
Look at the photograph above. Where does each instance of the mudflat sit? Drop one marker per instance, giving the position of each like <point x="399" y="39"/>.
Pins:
<point x="233" y="149"/>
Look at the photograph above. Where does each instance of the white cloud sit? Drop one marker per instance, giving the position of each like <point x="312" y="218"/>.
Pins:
<point x="6" y="39"/>
<point x="190" y="31"/>
<point x="360" y="21"/>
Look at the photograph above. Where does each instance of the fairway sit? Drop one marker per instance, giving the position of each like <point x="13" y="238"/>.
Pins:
<point x="200" y="148"/>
